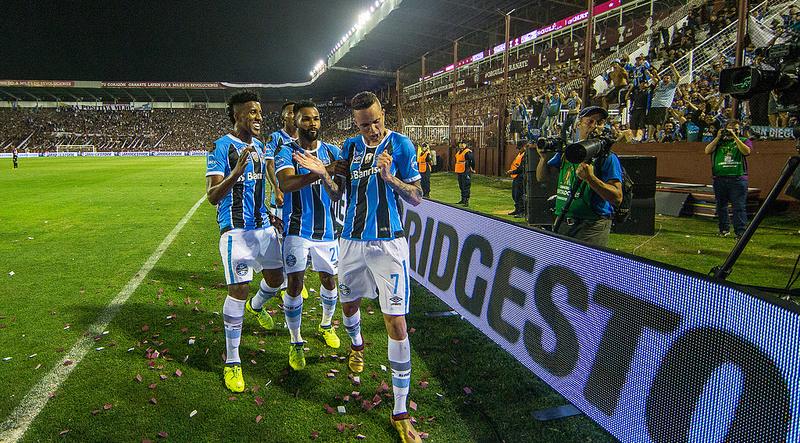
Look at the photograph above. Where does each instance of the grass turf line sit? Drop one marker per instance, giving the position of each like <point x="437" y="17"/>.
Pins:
<point x="292" y="402"/>
<point x="19" y="420"/>
<point x="74" y="231"/>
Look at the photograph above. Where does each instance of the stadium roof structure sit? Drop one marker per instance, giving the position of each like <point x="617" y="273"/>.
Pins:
<point x="396" y="33"/>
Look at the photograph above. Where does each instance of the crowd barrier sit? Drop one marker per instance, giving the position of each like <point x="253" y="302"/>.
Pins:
<point x="650" y="352"/>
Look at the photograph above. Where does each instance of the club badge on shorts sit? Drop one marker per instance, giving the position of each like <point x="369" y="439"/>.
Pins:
<point x="241" y="269"/>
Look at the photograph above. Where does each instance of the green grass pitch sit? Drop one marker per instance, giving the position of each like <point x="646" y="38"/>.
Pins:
<point x="76" y="230"/>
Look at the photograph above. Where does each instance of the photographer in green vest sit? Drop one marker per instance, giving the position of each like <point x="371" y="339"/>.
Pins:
<point x="729" y="153"/>
<point x="598" y="185"/>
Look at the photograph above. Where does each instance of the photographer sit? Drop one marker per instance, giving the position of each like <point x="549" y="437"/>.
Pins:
<point x="729" y="170"/>
<point x="598" y="186"/>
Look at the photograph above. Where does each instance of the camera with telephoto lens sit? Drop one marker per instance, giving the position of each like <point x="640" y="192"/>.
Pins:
<point x="784" y="59"/>
<point x="551" y="144"/>
<point x="584" y="151"/>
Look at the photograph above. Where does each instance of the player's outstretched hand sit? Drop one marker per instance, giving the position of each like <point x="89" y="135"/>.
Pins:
<point x="310" y="162"/>
<point x="385" y="165"/>
<point x="244" y="157"/>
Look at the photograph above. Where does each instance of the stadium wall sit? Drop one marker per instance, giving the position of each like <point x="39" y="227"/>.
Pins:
<point x="685" y="162"/>
<point x="650" y="352"/>
<point x="682" y="162"/>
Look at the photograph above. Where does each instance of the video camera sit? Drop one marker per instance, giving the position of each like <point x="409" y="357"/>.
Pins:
<point x="745" y="82"/>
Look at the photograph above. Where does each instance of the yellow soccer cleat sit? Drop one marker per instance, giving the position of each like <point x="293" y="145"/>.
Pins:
<point x="356" y="360"/>
<point x="297" y="356"/>
<point x="330" y="337"/>
<point x="264" y="319"/>
<point x="406" y="430"/>
<point x="304" y="293"/>
<point x="233" y="378"/>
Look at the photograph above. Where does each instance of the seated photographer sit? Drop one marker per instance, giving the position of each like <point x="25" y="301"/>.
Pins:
<point x="588" y="217"/>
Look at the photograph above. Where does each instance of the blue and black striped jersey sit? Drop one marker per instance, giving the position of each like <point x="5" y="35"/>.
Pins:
<point x="243" y="207"/>
<point x="275" y="142"/>
<point x="307" y="212"/>
<point x="372" y="206"/>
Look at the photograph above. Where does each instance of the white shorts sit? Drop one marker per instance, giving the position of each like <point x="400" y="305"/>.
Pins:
<point x="324" y="254"/>
<point x="246" y="251"/>
<point x="375" y="269"/>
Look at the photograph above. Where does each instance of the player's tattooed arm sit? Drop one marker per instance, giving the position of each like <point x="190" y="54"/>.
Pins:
<point x="410" y="192"/>
<point x="218" y="187"/>
<point x="318" y="170"/>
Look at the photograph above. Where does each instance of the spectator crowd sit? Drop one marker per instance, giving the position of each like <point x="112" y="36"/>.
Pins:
<point x="649" y="100"/>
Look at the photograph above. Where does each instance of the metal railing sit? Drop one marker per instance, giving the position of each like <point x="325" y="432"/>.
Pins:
<point x="440" y="132"/>
<point x="723" y="42"/>
<point x="602" y="65"/>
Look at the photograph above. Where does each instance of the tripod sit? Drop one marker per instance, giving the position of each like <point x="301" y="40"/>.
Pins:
<point x="723" y="271"/>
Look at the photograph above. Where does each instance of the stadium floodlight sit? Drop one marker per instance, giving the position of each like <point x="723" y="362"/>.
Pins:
<point x="363" y="18"/>
<point x="311" y="73"/>
<point x="377" y="3"/>
<point x="371" y="9"/>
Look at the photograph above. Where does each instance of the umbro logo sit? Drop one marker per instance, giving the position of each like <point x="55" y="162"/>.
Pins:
<point x="395" y="300"/>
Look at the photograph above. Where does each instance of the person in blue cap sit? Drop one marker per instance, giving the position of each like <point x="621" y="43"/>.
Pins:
<point x="599" y="187"/>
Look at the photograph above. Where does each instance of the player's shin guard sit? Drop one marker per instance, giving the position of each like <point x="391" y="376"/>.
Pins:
<point x="233" y="317"/>
<point x="329" y="298"/>
<point x="265" y="292"/>
<point x="400" y="361"/>
<point x="353" y="326"/>
<point x="293" y="313"/>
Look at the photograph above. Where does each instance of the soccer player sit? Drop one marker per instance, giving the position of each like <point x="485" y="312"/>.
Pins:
<point x="379" y="166"/>
<point x="235" y="184"/>
<point x="275" y="142"/>
<point x="308" y="225"/>
<point x="15" y="158"/>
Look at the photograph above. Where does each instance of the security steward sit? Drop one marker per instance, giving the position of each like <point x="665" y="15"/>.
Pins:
<point x="517" y="173"/>
<point x="588" y="218"/>
<point x="465" y="166"/>
<point x="425" y="160"/>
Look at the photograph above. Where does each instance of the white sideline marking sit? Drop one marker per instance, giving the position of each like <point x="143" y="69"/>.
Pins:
<point x="15" y="426"/>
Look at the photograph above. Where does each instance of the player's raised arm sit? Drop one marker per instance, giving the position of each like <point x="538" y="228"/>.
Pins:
<point x="410" y="192"/>
<point x="318" y="170"/>
<point x="217" y="186"/>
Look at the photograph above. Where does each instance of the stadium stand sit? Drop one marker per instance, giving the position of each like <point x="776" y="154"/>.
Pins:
<point x="697" y="37"/>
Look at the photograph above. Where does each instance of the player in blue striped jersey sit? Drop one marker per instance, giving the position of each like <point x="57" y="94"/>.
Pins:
<point x="379" y="167"/>
<point x="304" y="167"/>
<point x="235" y="182"/>
<point x="275" y="142"/>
